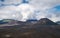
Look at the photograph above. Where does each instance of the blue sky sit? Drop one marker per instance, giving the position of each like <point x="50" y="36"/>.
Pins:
<point x="30" y="9"/>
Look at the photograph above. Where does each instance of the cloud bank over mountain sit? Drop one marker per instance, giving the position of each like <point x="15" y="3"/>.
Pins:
<point x="35" y="9"/>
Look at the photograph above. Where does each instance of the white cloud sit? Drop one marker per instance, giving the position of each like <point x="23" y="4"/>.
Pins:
<point x="35" y="9"/>
<point x="10" y="12"/>
<point x="21" y="12"/>
<point x="9" y="2"/>
<point x="43" y="6"/>
<point x="27" y="11"/>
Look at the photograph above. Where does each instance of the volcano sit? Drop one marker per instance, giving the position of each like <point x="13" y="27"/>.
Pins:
<point x="45" y="21"/>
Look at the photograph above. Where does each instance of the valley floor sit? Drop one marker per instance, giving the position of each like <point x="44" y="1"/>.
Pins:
<point x="38" y="31"/>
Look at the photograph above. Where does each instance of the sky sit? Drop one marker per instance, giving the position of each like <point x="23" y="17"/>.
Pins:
<point x="23" y="10"/>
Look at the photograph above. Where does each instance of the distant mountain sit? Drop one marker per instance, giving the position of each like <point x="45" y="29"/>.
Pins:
<point x="4" y="21"/>
<point x="46" y="21"/>
<point x="9" y="22"/>
<point x="33" y="21"/>
<point x="30" y="22"/>
<point x="58" y="22"/>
